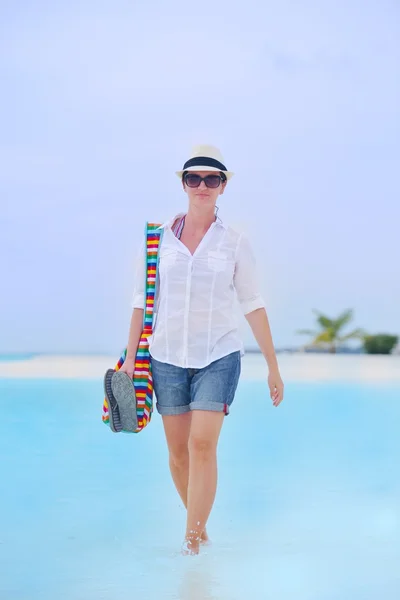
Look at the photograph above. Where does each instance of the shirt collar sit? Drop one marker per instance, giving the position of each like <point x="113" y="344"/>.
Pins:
<point x="168" y="224"/>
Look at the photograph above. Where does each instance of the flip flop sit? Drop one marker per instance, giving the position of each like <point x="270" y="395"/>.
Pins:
<point x="113" y="410"/>
<point x="124" y="393"/>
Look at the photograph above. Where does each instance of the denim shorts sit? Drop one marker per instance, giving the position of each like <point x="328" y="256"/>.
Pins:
<point x="179" y="390"/>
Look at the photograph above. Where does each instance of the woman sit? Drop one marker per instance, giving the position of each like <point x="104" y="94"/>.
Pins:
<point x="195" y="347"/>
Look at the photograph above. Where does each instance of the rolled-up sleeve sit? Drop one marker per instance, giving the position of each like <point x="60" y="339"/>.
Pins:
<point x="138" y="297"/>
<point x="246" y="277"/>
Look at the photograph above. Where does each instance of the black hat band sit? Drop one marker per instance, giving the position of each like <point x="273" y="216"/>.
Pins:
<point x="204" y="161"/>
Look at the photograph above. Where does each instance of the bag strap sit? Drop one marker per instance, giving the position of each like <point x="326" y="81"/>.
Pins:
<point x="153" y="242"/>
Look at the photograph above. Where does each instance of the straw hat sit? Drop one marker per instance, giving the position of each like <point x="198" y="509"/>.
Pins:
<point x="205" y="158"/>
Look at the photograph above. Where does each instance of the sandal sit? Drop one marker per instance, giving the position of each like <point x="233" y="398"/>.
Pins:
<point x="113" y="410"/>
<point x="123" y="392"/>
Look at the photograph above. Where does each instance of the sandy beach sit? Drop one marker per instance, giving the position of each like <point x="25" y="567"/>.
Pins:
<point x="294" y="367"/>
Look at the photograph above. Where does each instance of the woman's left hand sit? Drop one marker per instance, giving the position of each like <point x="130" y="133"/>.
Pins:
<point x="276" y="386"/>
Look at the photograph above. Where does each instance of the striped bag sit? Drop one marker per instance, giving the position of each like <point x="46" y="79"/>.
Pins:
<point x="142" y="377"/>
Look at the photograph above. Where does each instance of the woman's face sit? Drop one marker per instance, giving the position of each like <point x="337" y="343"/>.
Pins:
<point x="203" y="196"/>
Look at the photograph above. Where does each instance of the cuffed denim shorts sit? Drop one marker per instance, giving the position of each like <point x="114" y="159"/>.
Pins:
<point x="179" y="390"/>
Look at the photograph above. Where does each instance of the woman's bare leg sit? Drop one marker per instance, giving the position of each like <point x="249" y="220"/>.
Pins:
<point x="177" y="430"/>
<point x="203" y="439"/>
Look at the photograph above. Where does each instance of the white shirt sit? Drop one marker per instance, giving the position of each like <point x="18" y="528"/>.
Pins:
<point x="194" y="321"/>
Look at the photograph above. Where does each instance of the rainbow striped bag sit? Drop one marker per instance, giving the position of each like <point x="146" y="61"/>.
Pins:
<point x="142" y="377"/>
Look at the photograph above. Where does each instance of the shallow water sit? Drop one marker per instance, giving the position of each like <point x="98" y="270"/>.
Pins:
<point x="308" y="501"/>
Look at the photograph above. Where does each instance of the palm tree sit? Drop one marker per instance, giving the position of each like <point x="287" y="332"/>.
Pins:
<point x="329" y="333"/>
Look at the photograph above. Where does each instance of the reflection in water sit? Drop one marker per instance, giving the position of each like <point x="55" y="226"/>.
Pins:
<point x="196" y="581"/>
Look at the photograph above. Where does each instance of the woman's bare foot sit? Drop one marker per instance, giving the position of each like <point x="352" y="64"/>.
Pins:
<point x="191" y="547"/>
<point x="204" y="537"/>
<point x="193" y="539"/>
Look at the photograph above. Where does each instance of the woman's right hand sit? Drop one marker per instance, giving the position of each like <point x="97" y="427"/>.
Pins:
<point x="128" y="367"/>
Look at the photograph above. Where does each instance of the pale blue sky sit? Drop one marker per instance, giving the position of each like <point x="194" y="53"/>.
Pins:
<point x="101" y="103"/>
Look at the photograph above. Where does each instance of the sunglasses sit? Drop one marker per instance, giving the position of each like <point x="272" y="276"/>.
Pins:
<point x="212" y="181"/>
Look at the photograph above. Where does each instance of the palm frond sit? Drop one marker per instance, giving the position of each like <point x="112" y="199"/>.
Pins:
<point x="358" y="334"/>
<point x="306" y="332"/>
<point x="344" y="318"/>
<point x="322" y="319"/>
<point x="327" y="336"/>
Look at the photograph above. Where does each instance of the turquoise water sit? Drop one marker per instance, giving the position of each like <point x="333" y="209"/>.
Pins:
<point x="308" y="503"/>
<point x="16" y="357"/>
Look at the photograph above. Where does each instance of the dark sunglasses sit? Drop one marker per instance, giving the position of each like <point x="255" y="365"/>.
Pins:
<point x="212" y="181"/>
